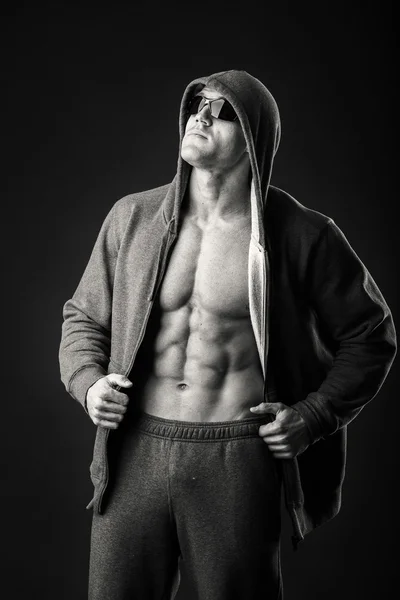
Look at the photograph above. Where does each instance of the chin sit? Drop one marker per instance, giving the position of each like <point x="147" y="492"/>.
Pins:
<point x="192" y="155"/>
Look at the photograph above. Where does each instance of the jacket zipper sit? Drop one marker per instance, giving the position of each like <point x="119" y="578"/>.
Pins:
<point x="158" y="279"/>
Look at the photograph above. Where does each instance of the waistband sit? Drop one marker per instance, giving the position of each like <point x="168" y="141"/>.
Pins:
<point x="198" y="431"/>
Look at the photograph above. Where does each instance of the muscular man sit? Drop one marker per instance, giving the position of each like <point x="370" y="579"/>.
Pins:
<point x="222" y="337"/>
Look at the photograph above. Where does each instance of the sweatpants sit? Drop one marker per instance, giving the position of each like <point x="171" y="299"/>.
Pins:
<point x="204" y="493"/>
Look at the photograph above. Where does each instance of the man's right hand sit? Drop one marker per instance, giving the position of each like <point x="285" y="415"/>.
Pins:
<point x="106" y="406"/>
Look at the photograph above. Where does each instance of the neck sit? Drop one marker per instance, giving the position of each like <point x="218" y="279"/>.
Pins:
<point x="218" y="196"/>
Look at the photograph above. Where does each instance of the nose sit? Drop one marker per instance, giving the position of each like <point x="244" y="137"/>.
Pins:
<point x="204" y="116"/>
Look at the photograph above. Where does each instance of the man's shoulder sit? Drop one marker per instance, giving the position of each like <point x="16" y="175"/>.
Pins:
<point x="148" y="199"/>
<point x="283" y="208"/>
<point x="139" y="208"/>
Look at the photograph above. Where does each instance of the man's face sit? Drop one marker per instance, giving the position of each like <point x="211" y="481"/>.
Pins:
<point x="212" y="143"/>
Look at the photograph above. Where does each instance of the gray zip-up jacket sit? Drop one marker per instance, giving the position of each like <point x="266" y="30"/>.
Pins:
<point x="322" y="326"/>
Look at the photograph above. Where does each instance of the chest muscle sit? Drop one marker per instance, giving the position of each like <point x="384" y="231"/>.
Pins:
<point x="208" y="267"/>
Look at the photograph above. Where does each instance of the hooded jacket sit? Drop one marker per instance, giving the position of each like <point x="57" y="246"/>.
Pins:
<point x="322" y="327"/>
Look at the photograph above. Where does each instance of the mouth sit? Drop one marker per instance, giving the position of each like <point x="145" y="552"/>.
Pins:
<point x="196" y="132"/>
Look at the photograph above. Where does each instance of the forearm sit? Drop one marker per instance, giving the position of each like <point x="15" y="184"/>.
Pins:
<point x="357" y="374"/>
<point x="84" y="351"/>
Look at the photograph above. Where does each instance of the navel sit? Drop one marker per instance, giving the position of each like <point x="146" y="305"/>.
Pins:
<point x="182" y="386"/>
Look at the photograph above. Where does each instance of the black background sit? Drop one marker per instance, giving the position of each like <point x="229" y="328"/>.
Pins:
<point x="93" y="98"/>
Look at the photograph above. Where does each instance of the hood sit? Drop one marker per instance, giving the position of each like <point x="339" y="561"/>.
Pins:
<point x="259" y="118"/>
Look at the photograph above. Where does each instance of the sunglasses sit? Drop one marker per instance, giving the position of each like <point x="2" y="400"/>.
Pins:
<point x="219" y="108"/>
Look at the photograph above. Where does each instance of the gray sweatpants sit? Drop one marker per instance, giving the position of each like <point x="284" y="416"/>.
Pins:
<point x="207" y="493"/>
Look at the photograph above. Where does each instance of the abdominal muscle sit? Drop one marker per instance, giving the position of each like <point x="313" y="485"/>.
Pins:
<point x="204" y="369"/>
<point x="199" y="360"/>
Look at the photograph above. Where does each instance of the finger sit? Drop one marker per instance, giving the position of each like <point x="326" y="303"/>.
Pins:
<point x="275" y="439"/>
<point x="106" y="423"/>
<point x="115" y="379"/>
<point x="279" y="447"/>
<point x="108" y="416"/>
<point x="113" y="407"/>
<point x="267" y="407"/>
<point x="271" y="429"/>
<point x="282" y="452"/>
<point x="283" y="455"/>
<point x="110" y="395"/>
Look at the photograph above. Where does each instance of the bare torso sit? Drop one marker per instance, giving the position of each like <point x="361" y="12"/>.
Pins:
<point x="199" y="360"/>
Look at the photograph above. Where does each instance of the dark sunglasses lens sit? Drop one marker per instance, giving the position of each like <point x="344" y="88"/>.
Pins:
<point x="227" y="112"/>
<point x="194" y="106"/>
<point x="221" y="109"/>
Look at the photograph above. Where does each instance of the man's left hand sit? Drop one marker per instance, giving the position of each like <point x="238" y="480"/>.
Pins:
<point x="287" y="436"/>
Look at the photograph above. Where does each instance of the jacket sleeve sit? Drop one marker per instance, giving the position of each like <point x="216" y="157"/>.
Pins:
<point x="86" y="330"/>
<point x="353" y="312"/>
